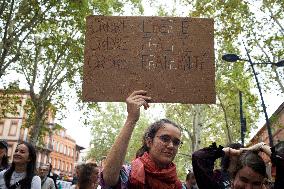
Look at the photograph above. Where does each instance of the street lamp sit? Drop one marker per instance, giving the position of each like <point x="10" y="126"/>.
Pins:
<point x="242" y="119"/>
<point x="234" y="58"/>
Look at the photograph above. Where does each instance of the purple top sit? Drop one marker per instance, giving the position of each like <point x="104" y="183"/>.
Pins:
<point x="123" y="179"/>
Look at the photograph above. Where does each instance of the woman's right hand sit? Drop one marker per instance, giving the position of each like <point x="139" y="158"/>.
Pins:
<point x="134" y="102"/>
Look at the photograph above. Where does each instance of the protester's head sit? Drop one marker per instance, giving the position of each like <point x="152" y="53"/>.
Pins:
<point x="226" y="160"/>
<point x="89" y="174"/>
<point x="190" y="179"/>
<point x="25" y="155"/>
<point x="161" y="140"/>
<point x="43" y="171"/>
<point x="3" y="154"/>
<point x="250" y="172"/>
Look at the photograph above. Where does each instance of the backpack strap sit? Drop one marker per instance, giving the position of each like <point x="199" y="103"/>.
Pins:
<point x="16" y="184"/>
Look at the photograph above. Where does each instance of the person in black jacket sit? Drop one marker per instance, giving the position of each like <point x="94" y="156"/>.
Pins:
<point x="277" y="158"/>
<point x="52" y="175"/>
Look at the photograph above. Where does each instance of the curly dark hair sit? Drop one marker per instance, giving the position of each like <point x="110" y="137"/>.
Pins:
<point x="151" y="133"/>
<point x="86" y="172"/>
<point x="30" y="171"/>
<point x="252" y="160"/>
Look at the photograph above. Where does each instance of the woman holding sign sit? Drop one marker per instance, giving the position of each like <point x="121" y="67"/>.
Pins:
<point x="153" y="167"/>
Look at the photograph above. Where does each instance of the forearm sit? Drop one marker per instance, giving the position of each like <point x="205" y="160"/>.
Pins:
<point x="116" y="156"/>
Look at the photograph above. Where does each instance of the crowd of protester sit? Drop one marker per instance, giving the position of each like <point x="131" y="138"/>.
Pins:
<point x="153" y="167"/>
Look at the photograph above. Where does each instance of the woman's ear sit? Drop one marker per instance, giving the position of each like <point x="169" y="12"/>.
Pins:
<point x="149" y="142"/>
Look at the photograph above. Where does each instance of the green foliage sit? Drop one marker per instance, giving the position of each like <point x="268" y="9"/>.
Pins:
<point x="9" y="100"/>
<point x="106" y="126"/>
<point x="46" y="40"/>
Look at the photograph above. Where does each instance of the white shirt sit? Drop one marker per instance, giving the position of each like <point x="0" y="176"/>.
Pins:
<point x="48" y="184"/>
<point x="36" y="182"/>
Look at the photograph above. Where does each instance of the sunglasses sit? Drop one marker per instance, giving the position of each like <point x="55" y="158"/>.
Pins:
<point x="167" y="139"/>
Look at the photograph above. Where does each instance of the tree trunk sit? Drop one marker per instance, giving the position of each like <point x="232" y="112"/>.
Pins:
<point x="229" y="138"/>
<point x="198" y="118"/>
<point x="36" y="127"/>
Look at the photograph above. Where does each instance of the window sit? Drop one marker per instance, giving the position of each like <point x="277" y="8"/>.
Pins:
<point x="66" y="167"/>
<point x="61" y="148"/>
<point x="13" y="128"/>
<point x="10" y="150"/>
<point x="54" y="163"/>
<point x="68" y="151"/>
<point x="1" y="127"/>
<point x="58" y="164"/>
<point x="64" y="151"/>
<point x="58" y="145"/>
<point x="54" y="145"/>
<point x="45" y="159"/>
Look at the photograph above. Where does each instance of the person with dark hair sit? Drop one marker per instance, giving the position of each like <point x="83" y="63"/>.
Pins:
<point x="21" y="174"/>
<point x="190" y="181"/>
<point x="4" y="161"/>
<point x="52" y="175"/>
<point x="228" y="164"/>
<point x="153" y="167"/>
<point x="76" y="176"/>
<point x="248" y="169"/>
<point x="46" y="182"/>
<point x="89" y="174"/>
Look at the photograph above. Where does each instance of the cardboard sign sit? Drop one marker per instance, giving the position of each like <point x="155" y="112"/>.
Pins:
<point x="170" y="57"/>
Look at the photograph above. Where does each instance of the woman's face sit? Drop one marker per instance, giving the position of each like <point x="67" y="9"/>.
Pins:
<point x="164" y="146"/>
<point x="21" y="155"/>
<point x="247" y="178"/>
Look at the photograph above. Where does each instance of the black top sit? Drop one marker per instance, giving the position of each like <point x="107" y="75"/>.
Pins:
<point x="278" y="161"/>
<point x="203" y="166"/>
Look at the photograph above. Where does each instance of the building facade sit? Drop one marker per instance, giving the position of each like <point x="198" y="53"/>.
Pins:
<point x="57" y="148"/>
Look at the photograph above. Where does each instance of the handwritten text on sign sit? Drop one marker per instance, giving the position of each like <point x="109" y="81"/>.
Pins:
<point x="172" y="58"/>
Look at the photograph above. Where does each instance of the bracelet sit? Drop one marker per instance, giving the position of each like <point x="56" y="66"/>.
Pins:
<point x="260" y="148"/>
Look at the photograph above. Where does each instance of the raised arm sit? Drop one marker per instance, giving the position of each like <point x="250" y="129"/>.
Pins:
<point x="116" y="156"/>
<point x="203" y="165"/>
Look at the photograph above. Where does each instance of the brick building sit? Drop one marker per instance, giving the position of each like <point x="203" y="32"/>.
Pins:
<point x="58" y="148"/>
<point x="65" y="153"/>
<point x="277" y="129"/>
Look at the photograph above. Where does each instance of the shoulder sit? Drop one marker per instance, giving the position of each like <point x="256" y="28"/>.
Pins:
<point x="36" y="181"/>
<point x="3" y="172"/>
<point x="123" y="178"/>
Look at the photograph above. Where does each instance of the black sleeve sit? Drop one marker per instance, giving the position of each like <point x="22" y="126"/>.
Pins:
<point x="203" y="165"/>
<point x="278" y="162"/>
